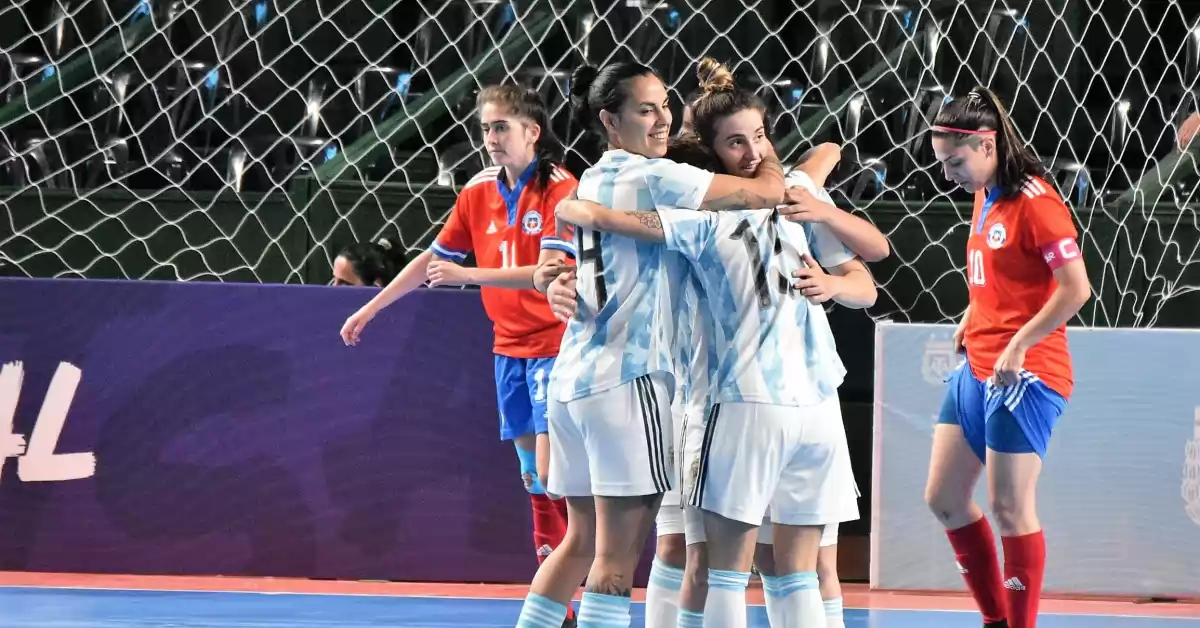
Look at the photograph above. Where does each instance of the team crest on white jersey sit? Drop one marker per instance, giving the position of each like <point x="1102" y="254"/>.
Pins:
<point x="531" y="222"/>
<point x="940" y="360"/>
<point x="996" y="236"/>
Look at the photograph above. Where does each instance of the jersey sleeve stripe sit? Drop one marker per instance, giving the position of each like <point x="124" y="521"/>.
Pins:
<point x="558" y="244"/>
<point x="487" y="174"/>
<point x="447" y="253"/>
<point x="1033" y="188"/>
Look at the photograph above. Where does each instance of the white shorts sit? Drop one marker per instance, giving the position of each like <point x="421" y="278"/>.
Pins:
<point x="766" y="534"/>
<point x="670" y="513"/>
<point x="693" y="530"/>
<point x="615" y="443"/>
<point x="791" y="461"/>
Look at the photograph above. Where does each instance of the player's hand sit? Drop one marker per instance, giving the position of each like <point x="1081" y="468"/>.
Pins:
<point x="799" y="205"/>
<point x="1188" y="130"/>
<point x="813" y="282"/>
<point x="577" y="212"/>
<point x="1007" y="371"/>
<point x="958" y="338"/>
<point x="545" y="273"/>
<point x="561" y="295"/>
<point x="443" y="273"/>
<point x="352" y="328"/>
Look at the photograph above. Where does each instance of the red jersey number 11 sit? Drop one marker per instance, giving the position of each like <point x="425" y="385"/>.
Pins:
<point x="508" y="255"/>
<point x="975" y="275"/>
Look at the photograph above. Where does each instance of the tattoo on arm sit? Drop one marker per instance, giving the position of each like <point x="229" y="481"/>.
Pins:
<point x="649" y="220"/>
<point x="741" y="199"/>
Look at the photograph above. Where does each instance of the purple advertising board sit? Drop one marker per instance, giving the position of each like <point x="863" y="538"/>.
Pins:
<point x="195" y="429"/>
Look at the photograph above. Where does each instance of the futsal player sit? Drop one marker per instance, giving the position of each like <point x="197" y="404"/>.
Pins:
<point x="369" y="263"/>
<point x="612" y="386"/>
<point x="774" y="435"/>
<point x="1025" y="280"/>
<point x="504" y="215"/>
<point x="731" y="124"/>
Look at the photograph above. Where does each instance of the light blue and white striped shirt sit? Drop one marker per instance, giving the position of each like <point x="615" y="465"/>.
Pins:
<point x="771" y="344"/>
<point x="628" y="290"/>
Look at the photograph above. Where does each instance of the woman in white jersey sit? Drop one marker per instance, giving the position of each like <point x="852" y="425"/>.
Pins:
<point x="731" y="122"/>
<point x="611" y="387"/>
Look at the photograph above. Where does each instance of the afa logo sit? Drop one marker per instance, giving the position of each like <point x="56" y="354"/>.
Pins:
<point x="997" y="236"/>
<point x="1191" y="472"/>
<point x="37" y="462"/>
<point x="531" y="222"/>
<point x="939" y="360"/>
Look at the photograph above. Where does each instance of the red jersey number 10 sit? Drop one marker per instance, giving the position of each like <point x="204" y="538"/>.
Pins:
<point x="975" y="275"/>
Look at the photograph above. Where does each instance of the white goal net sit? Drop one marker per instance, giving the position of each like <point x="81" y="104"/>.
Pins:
<point x="250" y="140"/>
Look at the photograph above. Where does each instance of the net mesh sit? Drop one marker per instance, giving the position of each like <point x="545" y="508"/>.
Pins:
<point x="250" y="140"/>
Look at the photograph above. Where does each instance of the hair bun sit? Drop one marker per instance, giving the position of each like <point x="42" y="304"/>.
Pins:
<point x="581" y="81"/>
<point x="714" y="76"/>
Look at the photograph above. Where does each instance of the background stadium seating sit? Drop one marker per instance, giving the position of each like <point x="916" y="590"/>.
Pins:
<point x="249" y="140"/>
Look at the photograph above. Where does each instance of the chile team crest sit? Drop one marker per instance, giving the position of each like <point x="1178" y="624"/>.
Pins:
<point x="996" y="236"/>
<point x="531" y="222"/>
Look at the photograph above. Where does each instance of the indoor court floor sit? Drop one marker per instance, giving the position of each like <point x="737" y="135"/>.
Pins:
<point x="75" y="601"/>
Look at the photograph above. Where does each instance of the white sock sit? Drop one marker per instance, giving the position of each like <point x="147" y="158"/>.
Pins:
<point x="539" y="612"/>
<point x="774" y="603"/>
<point x="726" y="604"/>
<point x="597" y="610"/>
<point x="690" y="619"/>
<point x="662" y="595"/>
<point x="833" y="614"/>
<point x="800" y="598"/>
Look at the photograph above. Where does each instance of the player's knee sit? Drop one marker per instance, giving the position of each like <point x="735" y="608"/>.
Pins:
<point x="1011" y="512"/>
<point x="671" y="549"/>
<point x="529" y="473"/>
<point x="764" y="559"/>
<point x="946" y="504"/>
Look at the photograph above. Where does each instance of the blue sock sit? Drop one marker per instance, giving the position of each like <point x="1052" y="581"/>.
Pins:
<point x="603" y="611"/>
<point x="690" y="619"/>
<point x="540" y="612"/>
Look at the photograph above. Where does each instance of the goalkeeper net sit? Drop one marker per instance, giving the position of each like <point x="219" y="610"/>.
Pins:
<point x="250" y="140"/>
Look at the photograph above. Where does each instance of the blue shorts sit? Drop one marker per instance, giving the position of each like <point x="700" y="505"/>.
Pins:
<point x="521" y="395"/>
<point x="1016" y="419"/>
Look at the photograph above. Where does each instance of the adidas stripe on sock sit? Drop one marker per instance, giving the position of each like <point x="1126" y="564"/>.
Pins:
<point x="540" y="612"/>
<point x="603" y="611"/>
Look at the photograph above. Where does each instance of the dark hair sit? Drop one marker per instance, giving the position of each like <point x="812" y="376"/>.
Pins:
<point x="606" y="89"/>
<point x="527" y="103"/>
<point x="719" y="99"/>
<point x="377" y="261"/>
<point x="688" y="149"/>
<point x="981" y="110"/>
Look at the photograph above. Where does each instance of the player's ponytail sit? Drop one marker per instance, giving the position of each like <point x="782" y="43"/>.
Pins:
<point x="527" y="103"/>
<point x="719" y="98"/>
<point x="376" y="263"/>
<point x="981" y="110"/>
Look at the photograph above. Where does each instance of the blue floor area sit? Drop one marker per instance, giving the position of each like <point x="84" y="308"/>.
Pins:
<point x="80" y="608"/>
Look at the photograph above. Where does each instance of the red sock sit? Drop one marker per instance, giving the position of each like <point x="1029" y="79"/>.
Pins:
<point x="1024" y="566"/>
<point x="975" y="550"/>
<point x="549" y="528"/>
<point x="548" y="525"/>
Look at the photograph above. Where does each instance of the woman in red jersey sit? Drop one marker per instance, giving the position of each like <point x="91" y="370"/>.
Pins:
<point x="1026" y="279"/>
<point x="505" y="215"/>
